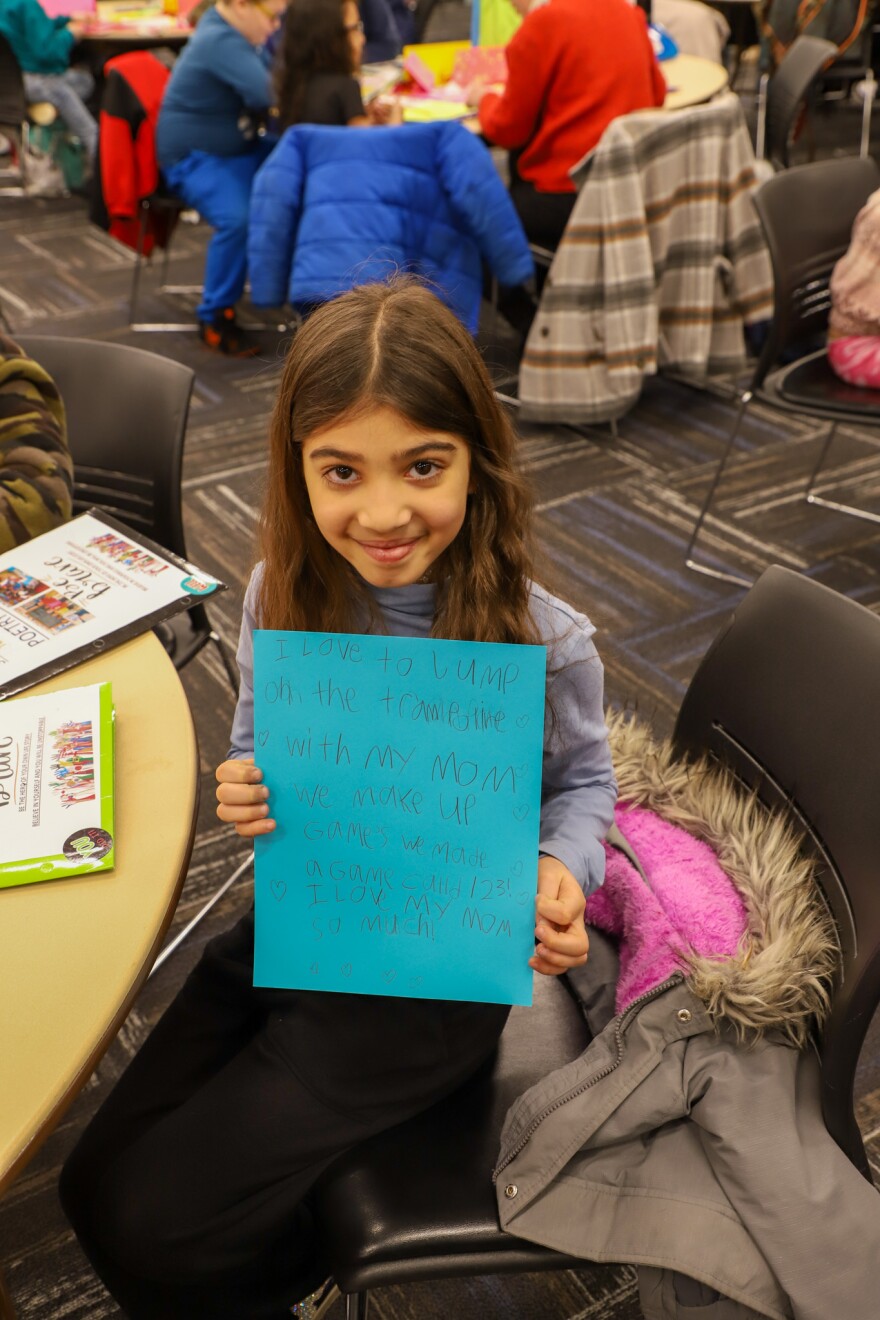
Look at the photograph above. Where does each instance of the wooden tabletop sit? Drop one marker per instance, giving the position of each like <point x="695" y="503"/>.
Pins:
<point x="691" y="80"/>
<point x="74" y="953"/>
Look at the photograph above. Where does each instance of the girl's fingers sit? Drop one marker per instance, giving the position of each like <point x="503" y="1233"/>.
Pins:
<point x="233" y="814"/>
<point x="569" y="942"/>
<point x="549" y="964"/>
<point x="238" y="772"/>
<point x="254" y="828"/>
<point x="241" y="795"/>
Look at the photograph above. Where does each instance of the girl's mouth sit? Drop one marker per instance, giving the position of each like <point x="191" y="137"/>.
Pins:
<point x="387" y="552"/>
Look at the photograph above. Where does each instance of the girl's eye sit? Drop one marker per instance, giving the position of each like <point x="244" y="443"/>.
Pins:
<point x="340" y="475"/>
<point x="425" y="467"/>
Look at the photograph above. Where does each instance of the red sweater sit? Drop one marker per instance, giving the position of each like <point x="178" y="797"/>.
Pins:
<point x="573" y="66"/>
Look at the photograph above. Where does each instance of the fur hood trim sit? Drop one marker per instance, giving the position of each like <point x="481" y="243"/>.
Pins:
<point x="781" y="976"/>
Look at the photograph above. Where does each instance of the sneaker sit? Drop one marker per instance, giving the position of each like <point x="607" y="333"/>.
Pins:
<point x="223" y="334"/>
<point x="318" y="1303"/>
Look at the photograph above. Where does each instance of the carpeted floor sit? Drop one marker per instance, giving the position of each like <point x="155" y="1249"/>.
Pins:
<point x="613" y="515"/>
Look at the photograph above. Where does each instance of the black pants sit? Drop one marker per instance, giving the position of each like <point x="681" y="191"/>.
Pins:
<point x="189" y="1190"/>
<point x="544" y="215"/>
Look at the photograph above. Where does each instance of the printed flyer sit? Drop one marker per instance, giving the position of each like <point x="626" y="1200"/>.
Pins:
<point x="68" y="594"/>
<point x="56" y="785"/>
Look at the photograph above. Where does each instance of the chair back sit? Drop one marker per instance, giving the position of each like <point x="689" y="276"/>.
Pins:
<point x="787" y="88"/>
<point x="807" y="214"/>
<point x="788" y="698"/>
<point x="13" y="102"/>
<point x="126" y="420"/>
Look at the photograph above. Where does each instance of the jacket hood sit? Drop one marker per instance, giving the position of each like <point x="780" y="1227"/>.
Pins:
<point x="781" y="975"/>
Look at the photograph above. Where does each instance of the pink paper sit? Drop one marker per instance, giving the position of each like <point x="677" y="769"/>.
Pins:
<point x="62" y="8"/>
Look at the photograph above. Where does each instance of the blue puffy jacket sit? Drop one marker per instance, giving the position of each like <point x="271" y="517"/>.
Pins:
<point x="335" y="207"/>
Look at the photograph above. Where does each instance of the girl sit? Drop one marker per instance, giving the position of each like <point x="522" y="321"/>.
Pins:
<point x="854" y="323"/>
<point x="209" y="148"/>
<point x="392" y="505"/>
<point x="319" y="60"/>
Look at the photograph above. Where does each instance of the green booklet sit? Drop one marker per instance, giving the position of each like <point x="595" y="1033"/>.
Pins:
<point x="56" y="785"/>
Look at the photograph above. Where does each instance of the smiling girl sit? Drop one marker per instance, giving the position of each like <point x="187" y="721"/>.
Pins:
<point x="393" y="505"/>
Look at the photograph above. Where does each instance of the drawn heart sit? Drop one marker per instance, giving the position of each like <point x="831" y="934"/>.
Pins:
<point x="279" y="889"/>
<point x="389" y="976"/>
<point x="346" y="969"/>
<point x="522" y="721"/>
<point x="521" y="811"/>
<point x="521" y="897"/>
<point x="415" y="982"/>
<point x="522" y="770"/>
<point x="263" y="737"/>
<point x="516" y="869"/>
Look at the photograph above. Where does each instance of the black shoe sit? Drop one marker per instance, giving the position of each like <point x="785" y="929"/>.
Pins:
<point x="223" y="334"/>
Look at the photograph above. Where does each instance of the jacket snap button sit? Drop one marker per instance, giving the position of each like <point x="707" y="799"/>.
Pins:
<point x="684" y="1015"/>
<point x="511" y="1189"/>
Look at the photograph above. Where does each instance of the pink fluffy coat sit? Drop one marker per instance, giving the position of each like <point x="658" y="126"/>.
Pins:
<point x="689" y="903"/>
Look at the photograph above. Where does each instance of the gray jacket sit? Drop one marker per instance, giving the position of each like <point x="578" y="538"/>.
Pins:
<point x="684" y="1140"/>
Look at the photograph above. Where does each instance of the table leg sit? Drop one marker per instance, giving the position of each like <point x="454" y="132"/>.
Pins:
<point x="7" y="1310"/>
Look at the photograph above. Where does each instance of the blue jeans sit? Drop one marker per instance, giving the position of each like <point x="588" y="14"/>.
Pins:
<point x="219" y="188"/>
<point x="67" y="92"/>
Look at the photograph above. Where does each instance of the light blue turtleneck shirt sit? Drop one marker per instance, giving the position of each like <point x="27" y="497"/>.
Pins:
<point x="578" y="790"/>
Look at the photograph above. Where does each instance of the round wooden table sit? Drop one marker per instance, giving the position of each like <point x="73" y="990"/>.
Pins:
<point x="691" y="80"/>
<point x="75" y="952"/>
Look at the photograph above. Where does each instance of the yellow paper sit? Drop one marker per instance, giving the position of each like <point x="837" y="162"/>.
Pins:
<point x="427" y="111"/>
<point x="439" y="56"/>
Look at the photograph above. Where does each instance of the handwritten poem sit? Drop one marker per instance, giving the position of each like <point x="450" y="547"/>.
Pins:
<point x="405" y="778"/>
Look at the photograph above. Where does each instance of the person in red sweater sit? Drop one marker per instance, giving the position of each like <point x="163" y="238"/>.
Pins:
<point x="573" y="66"/>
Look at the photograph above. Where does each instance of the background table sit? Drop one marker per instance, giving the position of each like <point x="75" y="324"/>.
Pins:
<point x="692" y="80"/>
<point x="118" y="29"/>
<point x="74" y="953"/>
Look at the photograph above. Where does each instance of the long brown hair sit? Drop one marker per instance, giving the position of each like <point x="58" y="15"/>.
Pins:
<point x="395" y="345"/>
<point x="314" y="41"/>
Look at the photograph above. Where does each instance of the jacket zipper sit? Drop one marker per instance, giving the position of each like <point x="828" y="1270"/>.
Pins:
<point x="623" y="1022"/>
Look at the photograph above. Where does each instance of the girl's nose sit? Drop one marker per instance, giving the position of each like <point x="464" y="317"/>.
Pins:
<point x="384" y="514"/>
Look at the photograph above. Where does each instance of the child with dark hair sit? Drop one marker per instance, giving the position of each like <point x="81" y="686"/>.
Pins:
<point x="393" y="506"/>
<point x="319" y="58"/>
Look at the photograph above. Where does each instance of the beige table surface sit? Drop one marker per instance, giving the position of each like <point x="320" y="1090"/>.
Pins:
<point x="692" y="80"/>
<point x="73" y="953"/>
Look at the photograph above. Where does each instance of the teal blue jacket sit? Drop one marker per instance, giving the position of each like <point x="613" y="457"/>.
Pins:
<point x="41" y="44"/>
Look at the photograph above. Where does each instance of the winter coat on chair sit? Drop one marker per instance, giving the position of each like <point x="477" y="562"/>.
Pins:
<point x="336" y="207"/>
<point x="689" y="1136"/>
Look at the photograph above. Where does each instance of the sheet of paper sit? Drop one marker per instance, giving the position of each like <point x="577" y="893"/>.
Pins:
<point x="56" y="785"/>
<point x="405" y="777"/>
<point x="88" y="584"/>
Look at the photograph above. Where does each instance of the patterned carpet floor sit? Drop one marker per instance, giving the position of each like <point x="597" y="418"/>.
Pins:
<point x="613" y="516"/>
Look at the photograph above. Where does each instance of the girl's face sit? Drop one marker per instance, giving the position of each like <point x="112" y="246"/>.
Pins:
<point x="351" y="21"/>
<point x="387" y="496"/>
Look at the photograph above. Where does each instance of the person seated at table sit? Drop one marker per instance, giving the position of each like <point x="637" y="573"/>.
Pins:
<point x="573" y="66"/>
<point x="209" y="148"/>
<point x="389" y="25"/>
<point x="36" y="470"/>
<point x="854" y="323"/>
<point x="317" y="66"/>
<point x="42" y="46"/>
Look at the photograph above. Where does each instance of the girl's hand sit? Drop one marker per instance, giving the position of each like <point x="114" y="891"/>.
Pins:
<point x="382" y="111"/>
<point x="559" y="927"/>
<point x="242" y="798"/>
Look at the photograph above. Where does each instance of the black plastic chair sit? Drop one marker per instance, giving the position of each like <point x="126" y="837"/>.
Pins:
<point x="126" y="421"/>
<point x="807" y="214"/>
<point x="13" y="115"/>
<point x="782" y="94"/>
<point x="787" y="698"/>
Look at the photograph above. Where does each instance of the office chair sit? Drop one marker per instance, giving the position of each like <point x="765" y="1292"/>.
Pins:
<point x="782" y="94"/>
<point x="126" y="421"/>
<point x="417" y="1202"/>
<point x="13" y="116"/>
<point x="807" y="214"/>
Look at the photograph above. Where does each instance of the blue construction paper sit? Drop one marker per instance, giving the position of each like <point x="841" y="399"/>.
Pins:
<point x="405" y="778"/>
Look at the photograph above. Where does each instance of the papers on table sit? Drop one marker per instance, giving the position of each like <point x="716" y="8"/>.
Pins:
<point x="405" y="778"/>
<point x="56" y="785"/>
<point x="92" y="583"/>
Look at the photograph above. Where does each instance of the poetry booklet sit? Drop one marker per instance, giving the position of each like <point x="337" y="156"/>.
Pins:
<point x="72" y="592"/>
<point x="56" y="785"/>
<point x="404" y="775"/>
